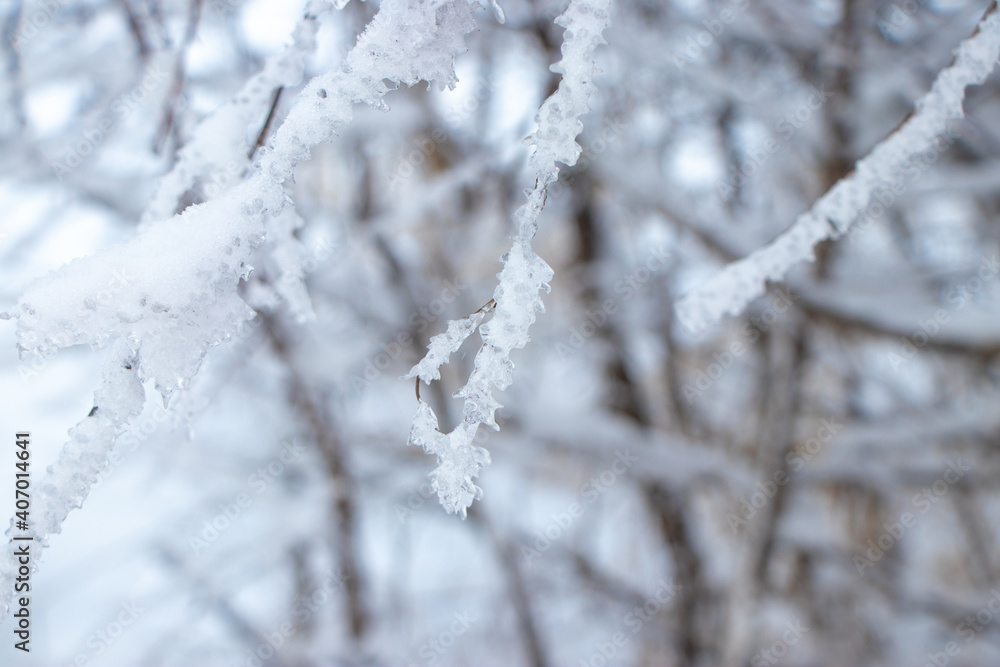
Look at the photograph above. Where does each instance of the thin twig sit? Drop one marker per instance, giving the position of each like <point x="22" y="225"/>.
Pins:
<point x="262" y="137"/>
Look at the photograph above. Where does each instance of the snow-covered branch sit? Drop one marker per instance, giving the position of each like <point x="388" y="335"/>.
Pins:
<point x="219" y="143"/>
<point x="523" y="276"/>
<point x="175" y="283"/>
<point x="738" y="284"/>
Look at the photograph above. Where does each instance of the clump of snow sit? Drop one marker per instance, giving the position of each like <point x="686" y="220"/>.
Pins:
<point x="170" y="302"/>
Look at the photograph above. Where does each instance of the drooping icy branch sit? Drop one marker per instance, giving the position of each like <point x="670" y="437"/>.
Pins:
<point x="164" y="297"/>
<point x="443" y="345"/>
<point x="738" y="284"/>
<point x="523" y="276"/>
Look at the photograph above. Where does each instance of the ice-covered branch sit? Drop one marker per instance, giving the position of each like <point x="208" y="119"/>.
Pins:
<point x="523" y="276"/>
<point x="163" y="298"/>
<point x="444" y="345"/>
<point x="739" y="283"/>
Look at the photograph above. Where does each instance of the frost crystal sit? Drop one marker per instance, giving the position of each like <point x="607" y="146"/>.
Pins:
<point x="523" y="276"/>
<point x="739" y="283"/>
